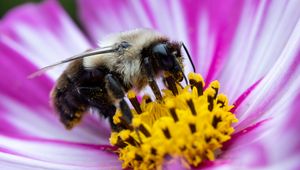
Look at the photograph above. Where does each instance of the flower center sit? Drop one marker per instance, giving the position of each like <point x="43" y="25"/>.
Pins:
<point x="190" y="123"/>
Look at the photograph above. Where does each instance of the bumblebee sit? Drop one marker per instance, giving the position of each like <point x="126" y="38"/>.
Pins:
<point x="100" y="78"/>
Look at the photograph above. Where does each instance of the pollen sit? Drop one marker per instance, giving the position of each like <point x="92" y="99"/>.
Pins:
<point x="190" y="123"/>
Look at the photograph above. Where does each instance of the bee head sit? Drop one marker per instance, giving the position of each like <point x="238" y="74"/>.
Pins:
<point x="168" y="58"/>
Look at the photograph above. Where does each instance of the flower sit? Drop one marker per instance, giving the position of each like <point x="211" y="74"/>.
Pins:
<point x="250" y="47"/>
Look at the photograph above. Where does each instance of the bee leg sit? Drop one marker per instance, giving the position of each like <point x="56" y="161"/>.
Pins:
<point x="170" y="83"/>
<point x="115" y="89"/>
<point x="151" y="81"/>
<point x="95" y="97"/>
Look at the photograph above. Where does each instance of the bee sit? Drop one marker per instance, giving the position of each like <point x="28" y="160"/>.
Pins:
<point x="100" y="78"/>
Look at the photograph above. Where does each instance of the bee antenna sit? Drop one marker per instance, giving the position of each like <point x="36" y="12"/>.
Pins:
<point x="181" y="70"/>
<point x="188" y="54"/>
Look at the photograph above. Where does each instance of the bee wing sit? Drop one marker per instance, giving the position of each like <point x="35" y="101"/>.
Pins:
<point x="110" y="49"/>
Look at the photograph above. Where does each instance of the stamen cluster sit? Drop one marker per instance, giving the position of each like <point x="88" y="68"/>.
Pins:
<point x="190" y="123"/>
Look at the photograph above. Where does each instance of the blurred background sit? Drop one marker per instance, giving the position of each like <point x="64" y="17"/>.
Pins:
<point x="6" y="5"/>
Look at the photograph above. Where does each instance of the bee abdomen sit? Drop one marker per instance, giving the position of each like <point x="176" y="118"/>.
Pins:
<point x="67" y="102"/>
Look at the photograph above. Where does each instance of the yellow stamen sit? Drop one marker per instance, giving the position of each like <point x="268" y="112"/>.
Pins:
<point x="191" y="123"/>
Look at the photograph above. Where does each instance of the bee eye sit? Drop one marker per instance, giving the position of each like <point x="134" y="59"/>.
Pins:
<point x="160" y="51"/>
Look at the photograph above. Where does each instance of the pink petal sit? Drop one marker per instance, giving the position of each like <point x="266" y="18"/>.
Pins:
<point x="42" y="153"/>
<point x="260" y="39"/>
<point x="273" y="143"/>
<point x="278" y="86"/>
<point x="41" y="33"/>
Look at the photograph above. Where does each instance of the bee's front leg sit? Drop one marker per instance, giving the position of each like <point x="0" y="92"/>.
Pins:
<point x="116" y="91"/>
<point x="151" y="80"/>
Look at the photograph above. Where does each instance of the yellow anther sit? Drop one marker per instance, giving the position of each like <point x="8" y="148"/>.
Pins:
<point x="124" y="134"/>
<point x="209" y="92"/>
<point x="113" y="138"/>
<point x="196" y="77"/>
<point x="117" y="117"/>
<point x="215" y="84"/>
<point x="131" y="94"/>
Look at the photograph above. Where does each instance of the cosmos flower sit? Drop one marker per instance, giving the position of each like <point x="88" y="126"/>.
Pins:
<point x="251" y="47"/>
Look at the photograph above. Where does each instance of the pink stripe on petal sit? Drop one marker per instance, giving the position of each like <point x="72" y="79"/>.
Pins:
<point x="7" y="128"/>
<point x="8" y="151"/>
<point x="243" y="136"/>
<point x="243" y="96"/>
<point x="212" y="165"/>
<point x="223" y="18"/>
<point x="149" y="13"/>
